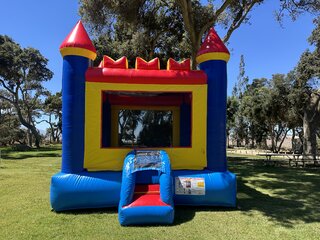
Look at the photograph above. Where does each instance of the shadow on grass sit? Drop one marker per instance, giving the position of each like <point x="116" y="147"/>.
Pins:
<point x="9" y="154"/>
<point x="185" y="214"/>
<point x="22" y="156"/>
<point x="285" y="195"/>
<point x="112" y="210"/>
<point x="182" y="214"/>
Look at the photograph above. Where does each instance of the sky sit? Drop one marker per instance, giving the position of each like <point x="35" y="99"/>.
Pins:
<point x="267" y="47"/>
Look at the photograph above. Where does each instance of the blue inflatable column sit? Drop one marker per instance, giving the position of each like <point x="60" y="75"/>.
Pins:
<point x="213" y="57"/>
<point x="73" y="98"/>
<point x="185" y="125"/>
<point x="77" y="50"/>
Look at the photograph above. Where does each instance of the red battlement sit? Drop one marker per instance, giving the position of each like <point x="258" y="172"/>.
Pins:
<point x="112" y="74"/>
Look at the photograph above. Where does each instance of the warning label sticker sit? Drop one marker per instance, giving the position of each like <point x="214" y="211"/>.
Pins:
<point x="190" y="186"/>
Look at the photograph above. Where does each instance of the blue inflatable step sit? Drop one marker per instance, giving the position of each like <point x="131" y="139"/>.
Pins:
<point x="147" y="190"/>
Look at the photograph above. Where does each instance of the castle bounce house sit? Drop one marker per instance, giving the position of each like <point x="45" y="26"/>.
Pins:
<point x="144" y="180"/>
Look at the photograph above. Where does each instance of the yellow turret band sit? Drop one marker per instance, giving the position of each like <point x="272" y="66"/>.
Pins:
<point x="213" y="56"/>
<point x="67" y="51"/>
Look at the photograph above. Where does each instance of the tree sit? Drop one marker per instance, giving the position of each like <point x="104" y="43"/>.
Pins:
<point x="232" y="109"/>
<point x="198" y="18"/>
<point x="253" y="111"/>
<point x="158" y="21"/>
<point x="149" y="27"/>
<point x="10" y="131"/>
<point x="240" y="130"/>
<point x="22" y="72"/>
<point x="242" y="80"/>
<point x="156" y="129"/>
<point x="128" y="121"/>
<point x="307" y="87"/>
<point x="280" y="113"/>
<point x="294" y="8"/>
<point x="52" y="108"/>
<point x="268" y="110"/>
<point x="124" y="29"/>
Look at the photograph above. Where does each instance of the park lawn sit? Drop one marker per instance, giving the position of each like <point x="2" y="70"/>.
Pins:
<point x="273" y="203"/>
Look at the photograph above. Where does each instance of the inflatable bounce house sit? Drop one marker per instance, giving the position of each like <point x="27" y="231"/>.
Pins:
<point x="182" y="164"/>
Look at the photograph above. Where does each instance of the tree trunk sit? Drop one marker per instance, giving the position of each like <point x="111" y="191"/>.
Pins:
<point x="239" y="142"/>
<point x="29" y="138"/>
<point x="311" y="118"/>
<point x="309" y="135"/>
<point x="30" y="127"/>
<point x="278" y="136"/>
<point x="252" y="143"/>
<point x="293" y="145"/>
<point x="228" y="140"/>
<point x="281" y="142"/>
<point x="252" y="136"/>
<point x="37" y="137"/>
<point x="272" y="139"/>
<point x="52" y="138"/>
<point x="193" y="59"/>
<point x="188" y="20"/>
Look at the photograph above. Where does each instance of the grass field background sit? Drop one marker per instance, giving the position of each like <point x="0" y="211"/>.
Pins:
<point x="273" y="203"/>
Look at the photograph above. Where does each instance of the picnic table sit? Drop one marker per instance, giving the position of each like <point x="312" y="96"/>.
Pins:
<point x="296" y="158"/>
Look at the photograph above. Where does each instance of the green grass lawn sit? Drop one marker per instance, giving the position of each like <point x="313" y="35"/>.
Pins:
<point x="273" y="203"/>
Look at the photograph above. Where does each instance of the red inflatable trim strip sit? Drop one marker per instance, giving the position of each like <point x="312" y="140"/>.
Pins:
<point x="114" y="75"/>
<point x="145" y="101"/>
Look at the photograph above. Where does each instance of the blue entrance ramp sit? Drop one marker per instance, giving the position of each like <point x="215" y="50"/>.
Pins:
<point x="147" y="189"/>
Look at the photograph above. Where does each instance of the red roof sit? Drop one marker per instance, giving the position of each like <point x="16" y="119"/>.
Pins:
<point x="78" y="38"/>
<point x="171" y="100"/>
<point x="212" y="44"/>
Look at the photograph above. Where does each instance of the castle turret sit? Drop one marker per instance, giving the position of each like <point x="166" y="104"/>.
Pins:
<point x="77" y="50"/>
<point x="212" y="58"/>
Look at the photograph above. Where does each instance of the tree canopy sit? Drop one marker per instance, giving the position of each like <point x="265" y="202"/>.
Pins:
<point x="153" y="26"/>
<point x="173" y="28"/>
<point x="22" y="73"/>
<point x="52" y="109"/>
<point x="271" y="108"/>
<point x="307" y="86"/>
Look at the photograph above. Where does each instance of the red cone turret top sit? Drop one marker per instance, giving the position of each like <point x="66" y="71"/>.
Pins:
<point x="78" y="43"/>
<point x="213" y="48"/>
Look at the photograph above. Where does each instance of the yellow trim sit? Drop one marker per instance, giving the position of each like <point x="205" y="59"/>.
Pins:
<point x="136" y="67"/>
<point x="127" y="65"/>
<point x="168" y="63"/>
<point x="78" y="52"/>
<point x="175" y="123"/>
<point x="135" y="64"/>
<point x="213" y="56"/>
<point x="97" y="158"/>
